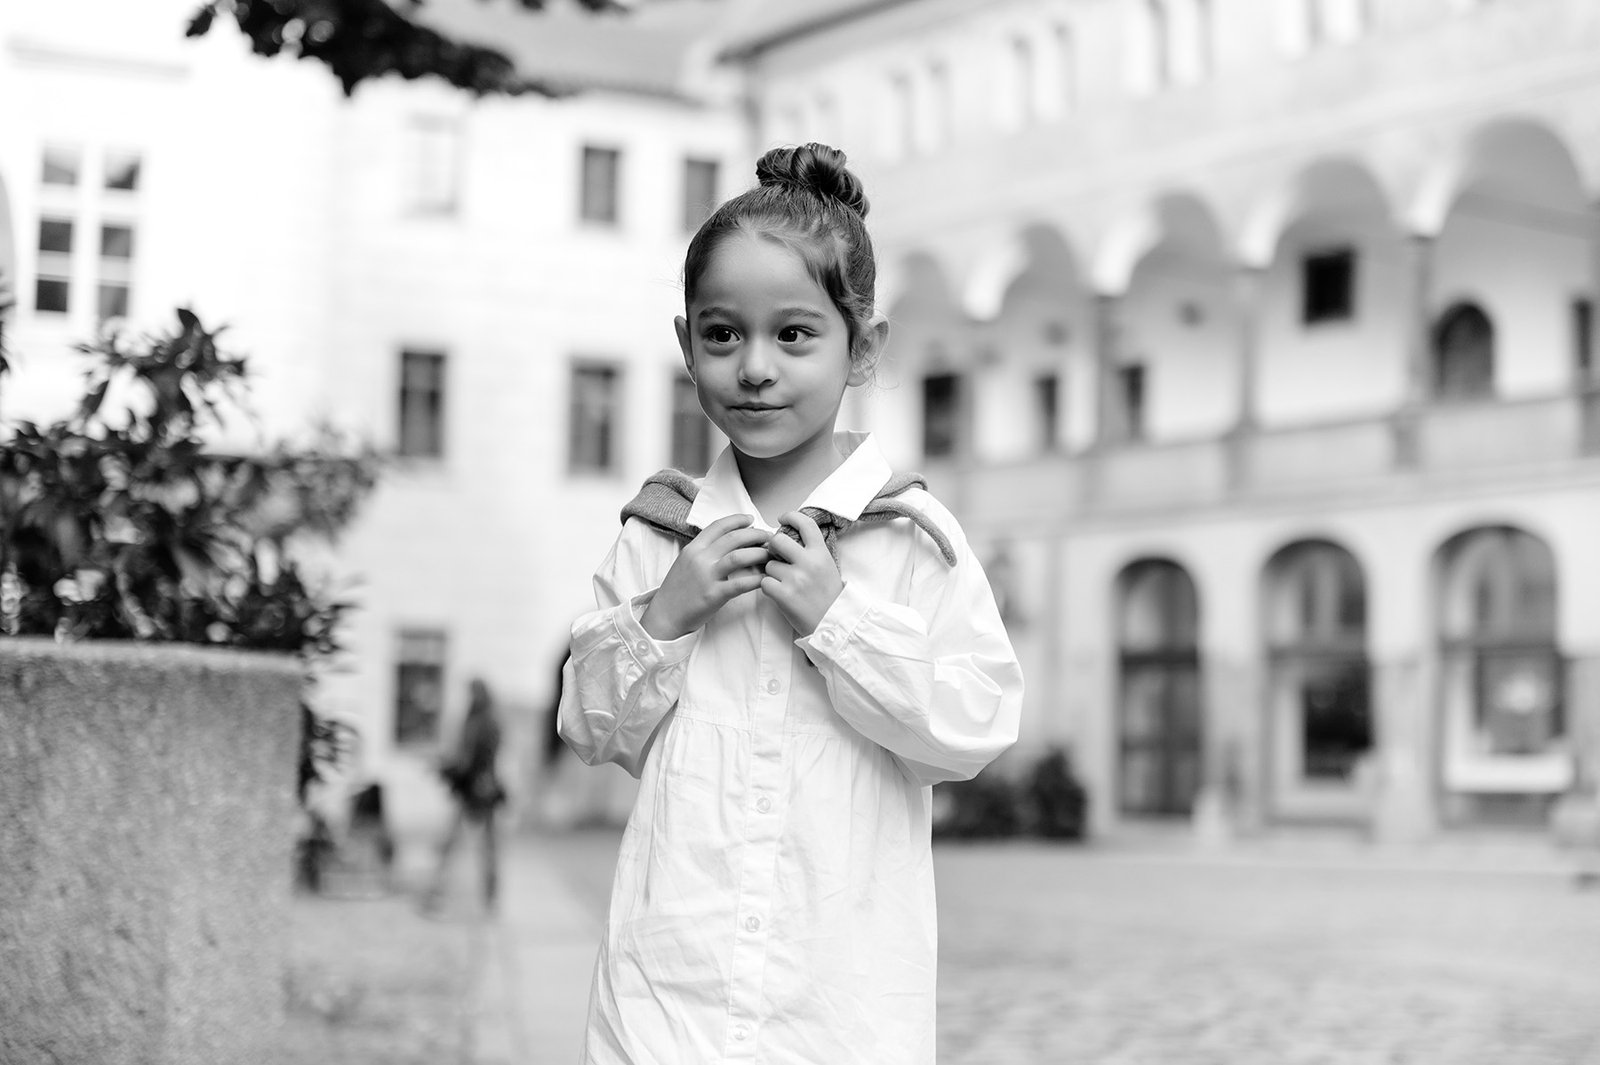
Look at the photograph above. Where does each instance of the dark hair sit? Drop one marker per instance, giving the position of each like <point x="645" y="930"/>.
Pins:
<point x="811" y="203"/>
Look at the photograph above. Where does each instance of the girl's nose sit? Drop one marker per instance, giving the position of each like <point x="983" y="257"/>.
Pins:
<point x="756" y="367"/>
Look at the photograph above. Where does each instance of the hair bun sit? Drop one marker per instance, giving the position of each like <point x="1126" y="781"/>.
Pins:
<point x="815" y="167"/>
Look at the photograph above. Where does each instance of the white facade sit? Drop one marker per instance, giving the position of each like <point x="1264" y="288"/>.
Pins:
<point x="334" y="234"/>
<point x="1221" y="297"/>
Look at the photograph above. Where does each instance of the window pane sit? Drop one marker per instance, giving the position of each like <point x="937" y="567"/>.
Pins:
<point x="691" y="429"/>
<point x="1130" y="386"/>
<point x="419" y="686"/>
<point x="592" y="443"/>
<point x="699" y="191"/>
<point x="113" y="302"/>
<point x="50" y="294"/>
<point x="122" y="170"/>
<point x="55" y="234"/>
<point x="116" y="242"/>
<point x="941" y="415"/>
<point x="435" y="149"/>
<point x="599" y="192"/>
<point x="421" y="404"/>
<point x="1046" y="391"/>
<point x="1328" y="286"/>
<point x="60" y="166"/>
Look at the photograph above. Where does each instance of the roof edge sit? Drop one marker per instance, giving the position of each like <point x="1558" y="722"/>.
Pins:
<point x="765" y="41"/>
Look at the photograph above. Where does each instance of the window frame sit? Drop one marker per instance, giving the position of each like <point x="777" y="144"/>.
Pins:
<point x="433" y="443"/>
<point x="604" y="459"/>
<point x="595" y="210"/>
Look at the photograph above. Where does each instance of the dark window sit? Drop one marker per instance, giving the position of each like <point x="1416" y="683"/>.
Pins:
<point x="419" y="686"/>
<point x="60" y="166"/>
<point x="421" y="404"/>
<point x="601" y="171"/>
<point x="691" y="429"/>
<point x="1583" y="338"/>
<point x="116" y="269"/>
<point x="1463" y="353"/>
<point x="112" y="301"/>
<point x="53" y="282"/>
<point x="595" y="399"/>
<point x="122" y="170"/>
<point x="1328" y="291"/>
<point x="1335" y="719"/>
<point x="1047" y="410"/>
<point x="941" y="415"/>
<point x="1130" y="394"/>
<point x="699" y="191"/>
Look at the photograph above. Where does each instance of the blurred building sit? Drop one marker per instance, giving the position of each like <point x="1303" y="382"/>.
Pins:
<point x="1254" y="341"/>
<point x="485" y="288"/>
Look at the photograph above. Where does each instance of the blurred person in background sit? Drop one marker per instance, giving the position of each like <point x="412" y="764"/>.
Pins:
<point x="474" y="781"/>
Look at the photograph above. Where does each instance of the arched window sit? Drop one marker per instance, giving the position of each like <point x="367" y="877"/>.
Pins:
<point x="1159" y="699"/>
<point x="1463" y="353"/>
<point x="1497" y="629"/>
<point x="1320" y="722"/>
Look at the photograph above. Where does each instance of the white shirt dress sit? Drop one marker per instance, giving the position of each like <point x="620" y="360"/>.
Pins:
<point x="774" y="900"/>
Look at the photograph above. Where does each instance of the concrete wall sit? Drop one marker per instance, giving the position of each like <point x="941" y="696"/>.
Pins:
<point x="146" y="824"/>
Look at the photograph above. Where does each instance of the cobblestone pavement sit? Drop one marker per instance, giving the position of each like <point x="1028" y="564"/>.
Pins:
<point x="1052" y="957"/>
<point x="1055" y="955"/>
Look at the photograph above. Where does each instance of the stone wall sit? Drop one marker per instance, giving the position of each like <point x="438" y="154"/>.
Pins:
<point x="146" y="830"/>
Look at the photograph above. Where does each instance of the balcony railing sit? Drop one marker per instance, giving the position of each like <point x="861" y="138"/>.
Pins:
<point x="1447" y="442"/>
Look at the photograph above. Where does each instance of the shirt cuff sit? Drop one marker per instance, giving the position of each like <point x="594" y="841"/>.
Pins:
<point x="646" y="650"/>
<point x="832" y="637"/>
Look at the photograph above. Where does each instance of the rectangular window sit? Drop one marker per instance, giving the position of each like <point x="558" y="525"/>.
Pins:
<point x="116" y="268"/>
<point x="602" y="168"/>
<point x="699" y="191"/>
<point x="421" y="404"/>
<point x="60" y="165"/>
<point x="1583" y="338"/>
<point x="1130" y="394"/>
<point x="941" y="415"/>
<point x="53" y="283"/>
<point x="1328" y="286"/>
<point x="691" y="429"/>
<point x="122" y="170"/>
<point x="419" y="686"/>
<point x="596" y="399"/>
<point x="1046" y="411"/>
<point x="433" y="166"/>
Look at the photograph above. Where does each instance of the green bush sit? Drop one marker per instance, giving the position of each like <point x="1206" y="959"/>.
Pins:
<point x="1047" y="801"/>
<point x="119" y="522"/>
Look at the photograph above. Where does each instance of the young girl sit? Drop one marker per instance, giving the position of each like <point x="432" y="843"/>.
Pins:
<point x="787" y="653"/>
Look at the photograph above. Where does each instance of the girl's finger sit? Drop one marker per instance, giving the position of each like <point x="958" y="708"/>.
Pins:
<point x="744" y="558"/>
<point x="784" y="546"/>
<point x="735" y="538"/>
<point x="810" y="534"/>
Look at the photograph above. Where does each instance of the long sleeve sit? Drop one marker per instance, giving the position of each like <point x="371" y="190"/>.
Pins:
<point x="620" y="682"/>
<point x="934" y="681"/>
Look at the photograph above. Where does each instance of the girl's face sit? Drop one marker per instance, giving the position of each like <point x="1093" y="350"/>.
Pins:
<point x="768" y="350"/>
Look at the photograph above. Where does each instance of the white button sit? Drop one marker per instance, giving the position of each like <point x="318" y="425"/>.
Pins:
<point x="741" y="1033"/>
<point x="752" y="924"/>
<point x="825" y="637"/>
<point x="764" y="804"/>
<point x="772" y="687"/>
<point x="642" y="647"/>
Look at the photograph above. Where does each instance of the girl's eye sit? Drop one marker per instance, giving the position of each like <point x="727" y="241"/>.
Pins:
<point x="792" y="334"/>
<point x="719" y="334"/>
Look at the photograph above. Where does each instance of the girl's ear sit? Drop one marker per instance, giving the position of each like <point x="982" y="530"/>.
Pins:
<point x="868" y="349"/>
<point x="680" y="325"/>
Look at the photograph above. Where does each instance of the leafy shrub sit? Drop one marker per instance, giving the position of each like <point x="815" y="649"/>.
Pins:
<point x="1058" y="800"/>
<point x="1048" y="801"/>
<point x="119" y="522"/>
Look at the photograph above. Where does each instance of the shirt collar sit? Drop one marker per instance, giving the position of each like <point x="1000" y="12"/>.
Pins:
<point x="845" y="492"/>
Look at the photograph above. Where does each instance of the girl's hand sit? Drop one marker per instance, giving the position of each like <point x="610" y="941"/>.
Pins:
<point x="802" y="578"/>
<point x="724" y="561"/>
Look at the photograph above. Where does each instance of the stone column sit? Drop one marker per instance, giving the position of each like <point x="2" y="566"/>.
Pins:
<point x="1418" y="348"/>
<point x="1248" y="284"/>
<point x="1403" y="801"/>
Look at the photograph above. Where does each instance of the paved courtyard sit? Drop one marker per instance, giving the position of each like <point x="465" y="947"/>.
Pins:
<point x="1158" y="956"/>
